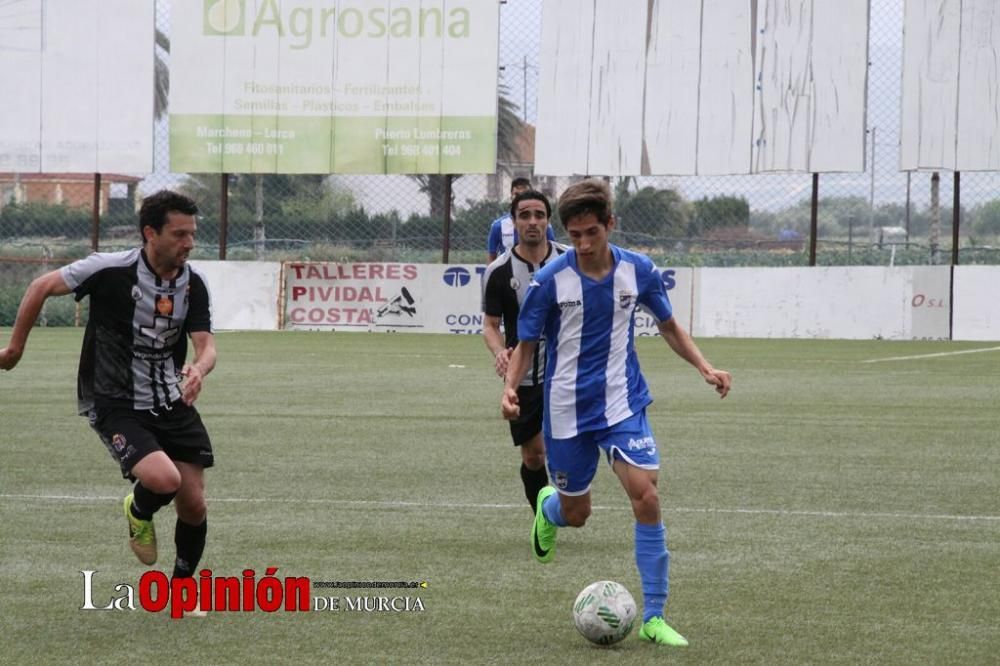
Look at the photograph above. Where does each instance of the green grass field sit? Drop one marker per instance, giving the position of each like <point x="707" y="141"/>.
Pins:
<point x="830" y="511"/>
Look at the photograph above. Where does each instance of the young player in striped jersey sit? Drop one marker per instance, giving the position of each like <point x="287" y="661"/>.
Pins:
<point x="134" y="383"/>
<point x="583" y="305"/>
<point x="504" y="285"/>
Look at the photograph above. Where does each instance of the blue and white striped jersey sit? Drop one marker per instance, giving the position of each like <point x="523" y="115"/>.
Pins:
<point x="592" y="376"/>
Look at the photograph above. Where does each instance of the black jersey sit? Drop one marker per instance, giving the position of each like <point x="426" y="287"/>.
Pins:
<point x="136" y="338"/>
<point x="504" y="285"/>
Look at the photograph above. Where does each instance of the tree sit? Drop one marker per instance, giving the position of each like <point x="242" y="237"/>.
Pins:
<point x="719" y="212"/>
<point x="652" y="212"/>
<point x="986" y="218"/>
<point x="292" y="206"/>
<point x="161" y="74"/>
<point x="509" y="126"/>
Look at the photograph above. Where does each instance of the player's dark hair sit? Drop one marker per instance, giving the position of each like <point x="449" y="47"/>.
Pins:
<point x="519" y="182"/>
<point x="155" y="207"/>
<point x="533" y="195"/>
<point x="587" y="196"/>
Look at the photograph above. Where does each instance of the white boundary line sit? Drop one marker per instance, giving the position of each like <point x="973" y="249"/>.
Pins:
<point x="393" y="504"/>
<point x="937" y="355"/>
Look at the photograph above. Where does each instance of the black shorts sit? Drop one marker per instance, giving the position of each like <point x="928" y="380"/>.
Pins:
<point x="130" y="435"/>
<point x="529" y="423"/>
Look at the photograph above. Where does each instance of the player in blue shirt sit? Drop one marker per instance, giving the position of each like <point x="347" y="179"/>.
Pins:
<point x="583" y="305"/>
<point x="503" y="231"/>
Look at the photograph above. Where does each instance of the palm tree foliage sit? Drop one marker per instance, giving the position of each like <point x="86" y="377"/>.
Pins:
<point x="509" y="127"/>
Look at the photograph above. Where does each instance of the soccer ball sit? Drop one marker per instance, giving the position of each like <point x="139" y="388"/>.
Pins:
<point x="604" y="612"/>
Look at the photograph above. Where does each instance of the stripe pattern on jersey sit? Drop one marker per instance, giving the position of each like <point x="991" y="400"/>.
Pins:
<point x="505" y="284"/>
<point x="592" y="378"/>
<point x="135" y="343"/>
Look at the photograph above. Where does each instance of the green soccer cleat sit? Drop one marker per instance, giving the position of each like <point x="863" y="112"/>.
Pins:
<point x="661" y="633"/>
<point x="543" y="533"/>
<point x="141" y="535"/>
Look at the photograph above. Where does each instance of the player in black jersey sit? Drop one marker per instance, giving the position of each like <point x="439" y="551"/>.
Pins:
<point x="134" y="383"/>
<point x="504" y="285"/>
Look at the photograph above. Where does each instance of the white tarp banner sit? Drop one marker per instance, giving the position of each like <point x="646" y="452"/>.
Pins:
<point x="334" y="86"/>
<point x="951" y="82"/>
<point x="637" y="87"/>
<point x="812" y="79"/>
<point x="77" y="86"/>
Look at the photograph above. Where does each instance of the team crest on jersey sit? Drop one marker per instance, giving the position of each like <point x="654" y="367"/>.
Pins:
<point x="561" y="479"/>
<point x="136" y="293"/>
<point x="515" y="284"/>
<point x="626" y="299"/>
<point x="118" y="441"/>
<point x="164" y="305"/>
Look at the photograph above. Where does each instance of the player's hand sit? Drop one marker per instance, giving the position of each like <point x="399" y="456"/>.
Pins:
<point x="509" y="406"/>
<point x="720" y="379"/>
<point x="193" y="379"/>
<point x="9" y="358"/>
<point x="501" y="361"/>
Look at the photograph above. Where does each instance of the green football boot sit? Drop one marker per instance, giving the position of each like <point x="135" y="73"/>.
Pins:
<point x="141" y="535"/>
<point x="543" y="533"/>
<point x="661" y="633"/>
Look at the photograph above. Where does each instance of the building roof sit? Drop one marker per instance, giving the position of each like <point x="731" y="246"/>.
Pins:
<point x="68" y="177"/>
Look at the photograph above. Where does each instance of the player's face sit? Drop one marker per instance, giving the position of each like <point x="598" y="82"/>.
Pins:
<point x="170" y="248"/>
<point x="531" y="222"/>
<point x="514" y="191"/>
<point x="589" y="236"/>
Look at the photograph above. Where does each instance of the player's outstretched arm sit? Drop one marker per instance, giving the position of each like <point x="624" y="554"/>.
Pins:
<point x="520" y="361"/>
<point x="50" y="284"/>
<point x="204" y="362"/>
<point x="684" y="346"/>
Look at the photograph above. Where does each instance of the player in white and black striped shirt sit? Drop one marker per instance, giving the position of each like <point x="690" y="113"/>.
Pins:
<point x="135" y="383"/>
<point x="504" y="285"/>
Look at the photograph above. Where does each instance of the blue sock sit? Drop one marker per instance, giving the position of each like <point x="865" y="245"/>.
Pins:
<point x="552" y="510"/>
<point x="653" y="560"/>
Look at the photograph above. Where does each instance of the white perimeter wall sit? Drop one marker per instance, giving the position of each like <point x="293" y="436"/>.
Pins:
<point x="834" y="302"/>
<point x="244" y="293"/>
<point x="901" y="303"/>
<point x="977" y="308"/>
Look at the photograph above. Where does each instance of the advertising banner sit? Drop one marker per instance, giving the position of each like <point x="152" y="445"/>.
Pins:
<point x="334" y="86"/>
<point x="427" y="298"/>
<point x="76" y="86"/>
<point x="362" y="296"/>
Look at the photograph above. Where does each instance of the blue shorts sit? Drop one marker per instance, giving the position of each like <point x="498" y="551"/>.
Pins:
<point x="573" y="462"/>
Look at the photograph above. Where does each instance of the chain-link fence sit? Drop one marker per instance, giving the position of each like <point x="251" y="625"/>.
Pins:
<point x="881" y="216"/>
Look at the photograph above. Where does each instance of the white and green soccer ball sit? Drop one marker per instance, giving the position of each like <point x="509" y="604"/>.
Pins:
<point x="604" y="612"/>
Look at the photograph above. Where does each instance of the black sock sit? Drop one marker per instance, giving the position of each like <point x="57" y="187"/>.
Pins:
<point x="534" y="480"/>
<point x="145" y="502"/>
<point x="190" y="542"/>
